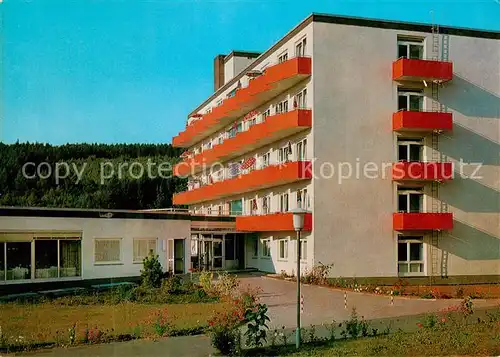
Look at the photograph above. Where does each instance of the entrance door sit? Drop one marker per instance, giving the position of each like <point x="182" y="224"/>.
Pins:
<point x="175" y="250"/>
<point x="217" y="253"/>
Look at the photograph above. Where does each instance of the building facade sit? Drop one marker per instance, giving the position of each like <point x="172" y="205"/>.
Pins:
<point x="386" y="132"/>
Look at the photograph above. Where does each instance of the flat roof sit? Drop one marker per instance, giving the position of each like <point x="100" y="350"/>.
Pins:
<point x="354" y="21"/>
<point x="104" y="213"/>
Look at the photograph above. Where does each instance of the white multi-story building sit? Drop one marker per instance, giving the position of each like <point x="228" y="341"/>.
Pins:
<point x="386" y="132"/>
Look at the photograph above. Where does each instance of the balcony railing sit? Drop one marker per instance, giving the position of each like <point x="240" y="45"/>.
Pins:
<point x="261" y="89"/>
<point x="273" y="128"/>
<point x="270" y="176"/>
<point x="419" y="221"/>
<point x="422" y="171"/>
<point x="405" y="69"/>
<point x="272" y="222"/>
<point x="421" y="121"/>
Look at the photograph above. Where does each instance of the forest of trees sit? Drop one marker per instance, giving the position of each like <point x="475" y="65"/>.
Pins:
<point x="35" y="187"/>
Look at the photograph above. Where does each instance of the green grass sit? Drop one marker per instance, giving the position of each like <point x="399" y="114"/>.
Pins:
<point x="477" y="339"/>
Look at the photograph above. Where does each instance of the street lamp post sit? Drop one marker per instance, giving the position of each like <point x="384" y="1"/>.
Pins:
<point x="298" y="225"/>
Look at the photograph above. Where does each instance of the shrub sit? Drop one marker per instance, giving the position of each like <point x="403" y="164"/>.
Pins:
<point x="152" y="273"/>
<point x="226" y="284"/>
<point x="317" y="275"/>
<point x="223" y="329"/>
<point x="206" y="281"/>
<point x="172" y="285"/>
<point x="257" y="326"/>
<point x="354" y="327"/>
<point x="161" y="325"/>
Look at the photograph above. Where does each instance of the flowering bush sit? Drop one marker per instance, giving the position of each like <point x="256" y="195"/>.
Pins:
<point x="226" y="284"/>
<point x="223" y="328"/>
<point x="93" y="335"/>
<point x="160" y="323"/>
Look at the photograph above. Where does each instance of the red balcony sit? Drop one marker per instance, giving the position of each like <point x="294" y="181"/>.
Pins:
<point x="422" y="221"/>
<point x="273" y="222"/>
<point x="274" y="128"/>
<point x="405" y="69"/>
<point x="405" y="120"/>
<point x="273" y="81"/>
<point x="256" y="180"/>
<point x="422" y="171"/>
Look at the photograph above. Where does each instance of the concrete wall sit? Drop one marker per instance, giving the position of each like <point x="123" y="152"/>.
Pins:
<point x="126" y="229"/>
<point x="353" y="103"/>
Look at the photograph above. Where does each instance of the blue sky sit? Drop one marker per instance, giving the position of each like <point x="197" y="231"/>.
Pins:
<point x="131" y="71"/>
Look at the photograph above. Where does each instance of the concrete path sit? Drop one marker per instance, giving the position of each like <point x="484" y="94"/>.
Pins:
<point x="185" y="346"/>
<point x="322" y="304"/>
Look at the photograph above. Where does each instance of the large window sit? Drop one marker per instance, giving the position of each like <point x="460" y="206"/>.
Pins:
<point x="410" y="100"/>
<point x="18" y="260"/>
<point x="302" y="199"/>
<point x="410" y="255"/>
<point x="266" y="248"/>
<point x="410" y="149"/>
<point x="266" y="205"/>
<point x="283" y="249"/>
<point x="107" y="250"/>
<point x="46" y="265"/>
<point x="143" y="247"/>
<point x="411" y="48"/>
<point x="282" y="107"/>
<point x="410" y="200"/>
<point x="69" y="258"/>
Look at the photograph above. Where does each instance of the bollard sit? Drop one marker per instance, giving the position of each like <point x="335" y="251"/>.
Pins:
<point x="345" y="299"/>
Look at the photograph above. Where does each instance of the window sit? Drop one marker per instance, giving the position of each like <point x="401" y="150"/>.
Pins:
<point x="229" y="247"/>
<point x="219" y="102"/>
<point x="283" y="57"/>
<point x="301" y="99"/>
<point x="413" y="49"/>
<point x="265" y="160"/>
<point x="282" y="107"/>
<point x="255" y="247"/>
<point x="410" y="100"/>
<point x="236" y="207"/>
<point x="300" y="48"/>
<point x="284" y="202"/>
<point x="143" y="248"/>
<point x="46" y="259"/>
<point x="266" y="247"/>
<point x="284" y="153"/>
<point x="266" y="114"/>
<point x="410" y="149"/>
<point x="302" y="199"/>
<point x="410" y="200"/>
<point x="283" y="249"/>
<point x="302" y="150"/>
<point x="252" y="206"/>
<point x="18" y="256"/>
<point x="69" y="258"/>
<point x="303" y="249"/>
<point x="410" y="255"/>
<point x="266" y="205"/>
<point x="234" y="169"/>
<point x="107" y="251"/>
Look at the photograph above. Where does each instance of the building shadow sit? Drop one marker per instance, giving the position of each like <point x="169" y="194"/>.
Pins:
<point x="470" y="196"/>
<point x="470" y="146"/>
<point x="471" y="243"/>
<point x="470" y="99"/>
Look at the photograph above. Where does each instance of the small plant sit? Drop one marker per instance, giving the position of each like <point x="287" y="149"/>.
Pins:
<point x="399" y="287"/>
<point x="273" y="338"/>
<point x="152" y="273"/>
<point x="353" y="327"/>
<point x="72" y="334"/>
<point x="430" y="321"/>
<point x="257" y="326"/>
<point x="364" y="327"/>
<point x="93" y="335"/>
<point x="172" y="285"/>
<point x="331" y="327"/>
<point x="312" y="338"/>
<point x="374" y="332"/>
<point x="136" y="331"/>
<point x="459" y="292"/>
<point x="161" y="325"/>
<point x="284" y="336"/>
<point x="223" y="329"/>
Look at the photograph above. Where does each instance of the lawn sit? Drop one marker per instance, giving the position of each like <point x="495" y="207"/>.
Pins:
<point x="477" y="339"/>
<point x="48" y="322"/>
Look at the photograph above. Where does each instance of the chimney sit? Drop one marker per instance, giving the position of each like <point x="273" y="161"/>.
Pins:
<point x="218" y="71"/>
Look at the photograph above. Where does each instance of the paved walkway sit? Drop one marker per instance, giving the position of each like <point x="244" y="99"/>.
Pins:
<point x="185" y="346"/>
<point x="322" y="304"/>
